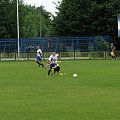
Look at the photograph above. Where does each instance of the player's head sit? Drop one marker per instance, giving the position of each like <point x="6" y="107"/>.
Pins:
<point x="53" y="53"/>
<point x="38" y="47"/>
<point x="111" y="44"/>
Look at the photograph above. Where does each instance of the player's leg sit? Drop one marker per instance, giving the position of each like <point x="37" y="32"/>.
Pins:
<point x="114" y="56"/>
<point x="57" y="69"/>
<point x="50" y="69"/>
<point x="52" y="66"/>
<point x="41" y="63"/>
<point x="49" y="72"/>
<point x="37" y="60"/>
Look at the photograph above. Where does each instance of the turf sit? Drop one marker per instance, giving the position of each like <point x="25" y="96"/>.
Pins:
<point x="26" y="93"/>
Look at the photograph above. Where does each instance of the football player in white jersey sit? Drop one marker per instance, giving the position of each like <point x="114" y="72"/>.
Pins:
<point x="39" y="57"/>
<point x="52" y="61"/>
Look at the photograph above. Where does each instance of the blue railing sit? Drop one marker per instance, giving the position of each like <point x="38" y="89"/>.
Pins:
<point x="60" y="44"/>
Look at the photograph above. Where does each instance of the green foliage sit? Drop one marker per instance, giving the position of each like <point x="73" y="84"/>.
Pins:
<point x="87" y="18"/>
<point x="74" y="18"/>
<point x="102" y="43"/>
<point x="72" y="14"/>
<point x="29" y="20"/>
<point x="8" y="19"/>
<point x="34" y="20"/>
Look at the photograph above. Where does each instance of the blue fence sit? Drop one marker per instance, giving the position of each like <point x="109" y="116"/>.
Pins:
<point x="61" y="44"/>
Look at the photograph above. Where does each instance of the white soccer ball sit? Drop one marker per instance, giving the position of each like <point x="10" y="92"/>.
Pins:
<point x="74" y="75"/>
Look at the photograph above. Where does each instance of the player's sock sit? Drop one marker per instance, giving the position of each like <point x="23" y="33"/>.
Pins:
<point x="42" y="65"/>
<point x="38" y="63"/>
<point x="49" y="72"/>
<point x="54" y="71"/>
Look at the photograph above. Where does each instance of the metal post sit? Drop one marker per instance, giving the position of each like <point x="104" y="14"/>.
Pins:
<point x="40" y="25"/>
<point x="118" y="20"/>
<point x="18" y="30"/>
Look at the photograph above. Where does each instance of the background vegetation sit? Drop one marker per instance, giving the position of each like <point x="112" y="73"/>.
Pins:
<point x="74" y="18"/>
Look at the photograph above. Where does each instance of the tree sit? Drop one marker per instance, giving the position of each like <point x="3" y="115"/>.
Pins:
<point x="8" y="18"/>
<point x="87" y="18"/>
<point x="29" y="20"/>
<point x="72" y="17"/>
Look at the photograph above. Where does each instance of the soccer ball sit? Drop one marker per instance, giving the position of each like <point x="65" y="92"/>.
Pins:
<point x="74" y="75"/>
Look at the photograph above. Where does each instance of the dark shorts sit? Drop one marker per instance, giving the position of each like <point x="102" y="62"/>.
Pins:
<point x="52" y="65"/>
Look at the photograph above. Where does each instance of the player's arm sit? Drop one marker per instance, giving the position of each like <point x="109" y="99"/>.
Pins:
<point x="50" y="59"/>
<point x="40" y="51"/>
<point x="48" y="63"/>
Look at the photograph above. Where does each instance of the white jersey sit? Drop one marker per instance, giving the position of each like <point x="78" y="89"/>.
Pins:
<point x="53" y="59"/>
<point x="39" y="52"/>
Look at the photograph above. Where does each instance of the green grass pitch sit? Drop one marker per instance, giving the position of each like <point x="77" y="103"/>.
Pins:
<point x="26" y="93"/>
